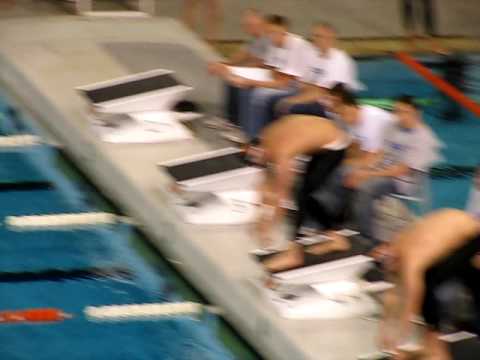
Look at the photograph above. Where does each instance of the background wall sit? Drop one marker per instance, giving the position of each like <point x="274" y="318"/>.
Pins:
<point x="353" y="18"/>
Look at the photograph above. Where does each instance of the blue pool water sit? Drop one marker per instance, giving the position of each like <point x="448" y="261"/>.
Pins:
<point x="61" y="253"/>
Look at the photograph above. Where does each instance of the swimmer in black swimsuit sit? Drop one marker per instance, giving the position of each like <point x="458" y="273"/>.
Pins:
<point x="437" y="248"/>
<point x="282" y="143"/>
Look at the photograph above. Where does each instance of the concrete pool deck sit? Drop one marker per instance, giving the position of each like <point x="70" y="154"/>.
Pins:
<point x="43" y="59"/>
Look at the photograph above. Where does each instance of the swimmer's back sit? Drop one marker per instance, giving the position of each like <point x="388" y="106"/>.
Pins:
<point x="438" y="234"/>
<point x="301" y="133"/>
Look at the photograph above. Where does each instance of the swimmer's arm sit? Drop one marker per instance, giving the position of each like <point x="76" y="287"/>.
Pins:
<point x="392" y="171"/>
<point x="362" y="159"/>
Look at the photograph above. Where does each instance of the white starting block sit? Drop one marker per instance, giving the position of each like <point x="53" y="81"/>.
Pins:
<point x="155" y="90"/>
<point x="137" y="108"/>
<point x="327" y="290"/>
<point x="213" y="171"/>
<point x="347" y="269"/>
<point x="222" y="208"/>
<point x="327" y="300"/>
<point x="141" y="128"/>
<point x="331" y="290"/>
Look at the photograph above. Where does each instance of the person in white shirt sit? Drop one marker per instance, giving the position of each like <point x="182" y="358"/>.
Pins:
<point x="255" y="52"/>
<point x="252" y="55"/>
<point x="409" y="149"/>
<point x="286" y="59"/>
<point x="325" y="67"/>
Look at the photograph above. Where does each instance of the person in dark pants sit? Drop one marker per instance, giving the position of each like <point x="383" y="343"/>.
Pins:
<point x="253" y="54"/>
<point x="412" y="14"/>
<point x="453" y="69"/>
<point x="411" y="10"/>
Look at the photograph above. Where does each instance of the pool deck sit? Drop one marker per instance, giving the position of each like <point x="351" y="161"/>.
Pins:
<point x="43" y="59"/>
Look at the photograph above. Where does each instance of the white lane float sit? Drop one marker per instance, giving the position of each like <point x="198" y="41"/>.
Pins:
<point x="34" y="222"/>
<point x="15" y="141"/>
<point x="143" y="311"/>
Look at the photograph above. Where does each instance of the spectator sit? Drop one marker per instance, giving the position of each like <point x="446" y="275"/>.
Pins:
<point x="254" y="54"/>
<point x="326" y="66"/>
<point x="412" y="12"/>
<point x="409" y="148"/>
<point x="286" y="59"/>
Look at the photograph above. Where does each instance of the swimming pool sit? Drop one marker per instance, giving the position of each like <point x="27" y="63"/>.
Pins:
<point x="52" y="268"/>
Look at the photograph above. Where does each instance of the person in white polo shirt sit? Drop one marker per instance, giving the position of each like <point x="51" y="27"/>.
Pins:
<point x="286" y="58"/>
<point x="252" y="55"/>
<point x="325" y="67"/>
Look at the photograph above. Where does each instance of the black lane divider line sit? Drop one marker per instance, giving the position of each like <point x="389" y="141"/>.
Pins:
<point x="61" y="275"/>
<point x="26" y="185"/>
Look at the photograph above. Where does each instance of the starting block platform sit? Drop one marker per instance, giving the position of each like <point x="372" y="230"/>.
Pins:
<point x="219" y="208"/>
<point x="213" y="171"/>
<point x="154" y="90"/>
<point x="328" y="286"/>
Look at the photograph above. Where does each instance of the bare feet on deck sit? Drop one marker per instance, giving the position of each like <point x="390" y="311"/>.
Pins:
<point x="285" y="260"/>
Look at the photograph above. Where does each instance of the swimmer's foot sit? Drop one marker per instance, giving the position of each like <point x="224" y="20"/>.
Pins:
<point x="288" y="259"/>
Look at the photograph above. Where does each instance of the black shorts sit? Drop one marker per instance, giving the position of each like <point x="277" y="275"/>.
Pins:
<point x="457" y="266"/>
<point x="317" y="172"/>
